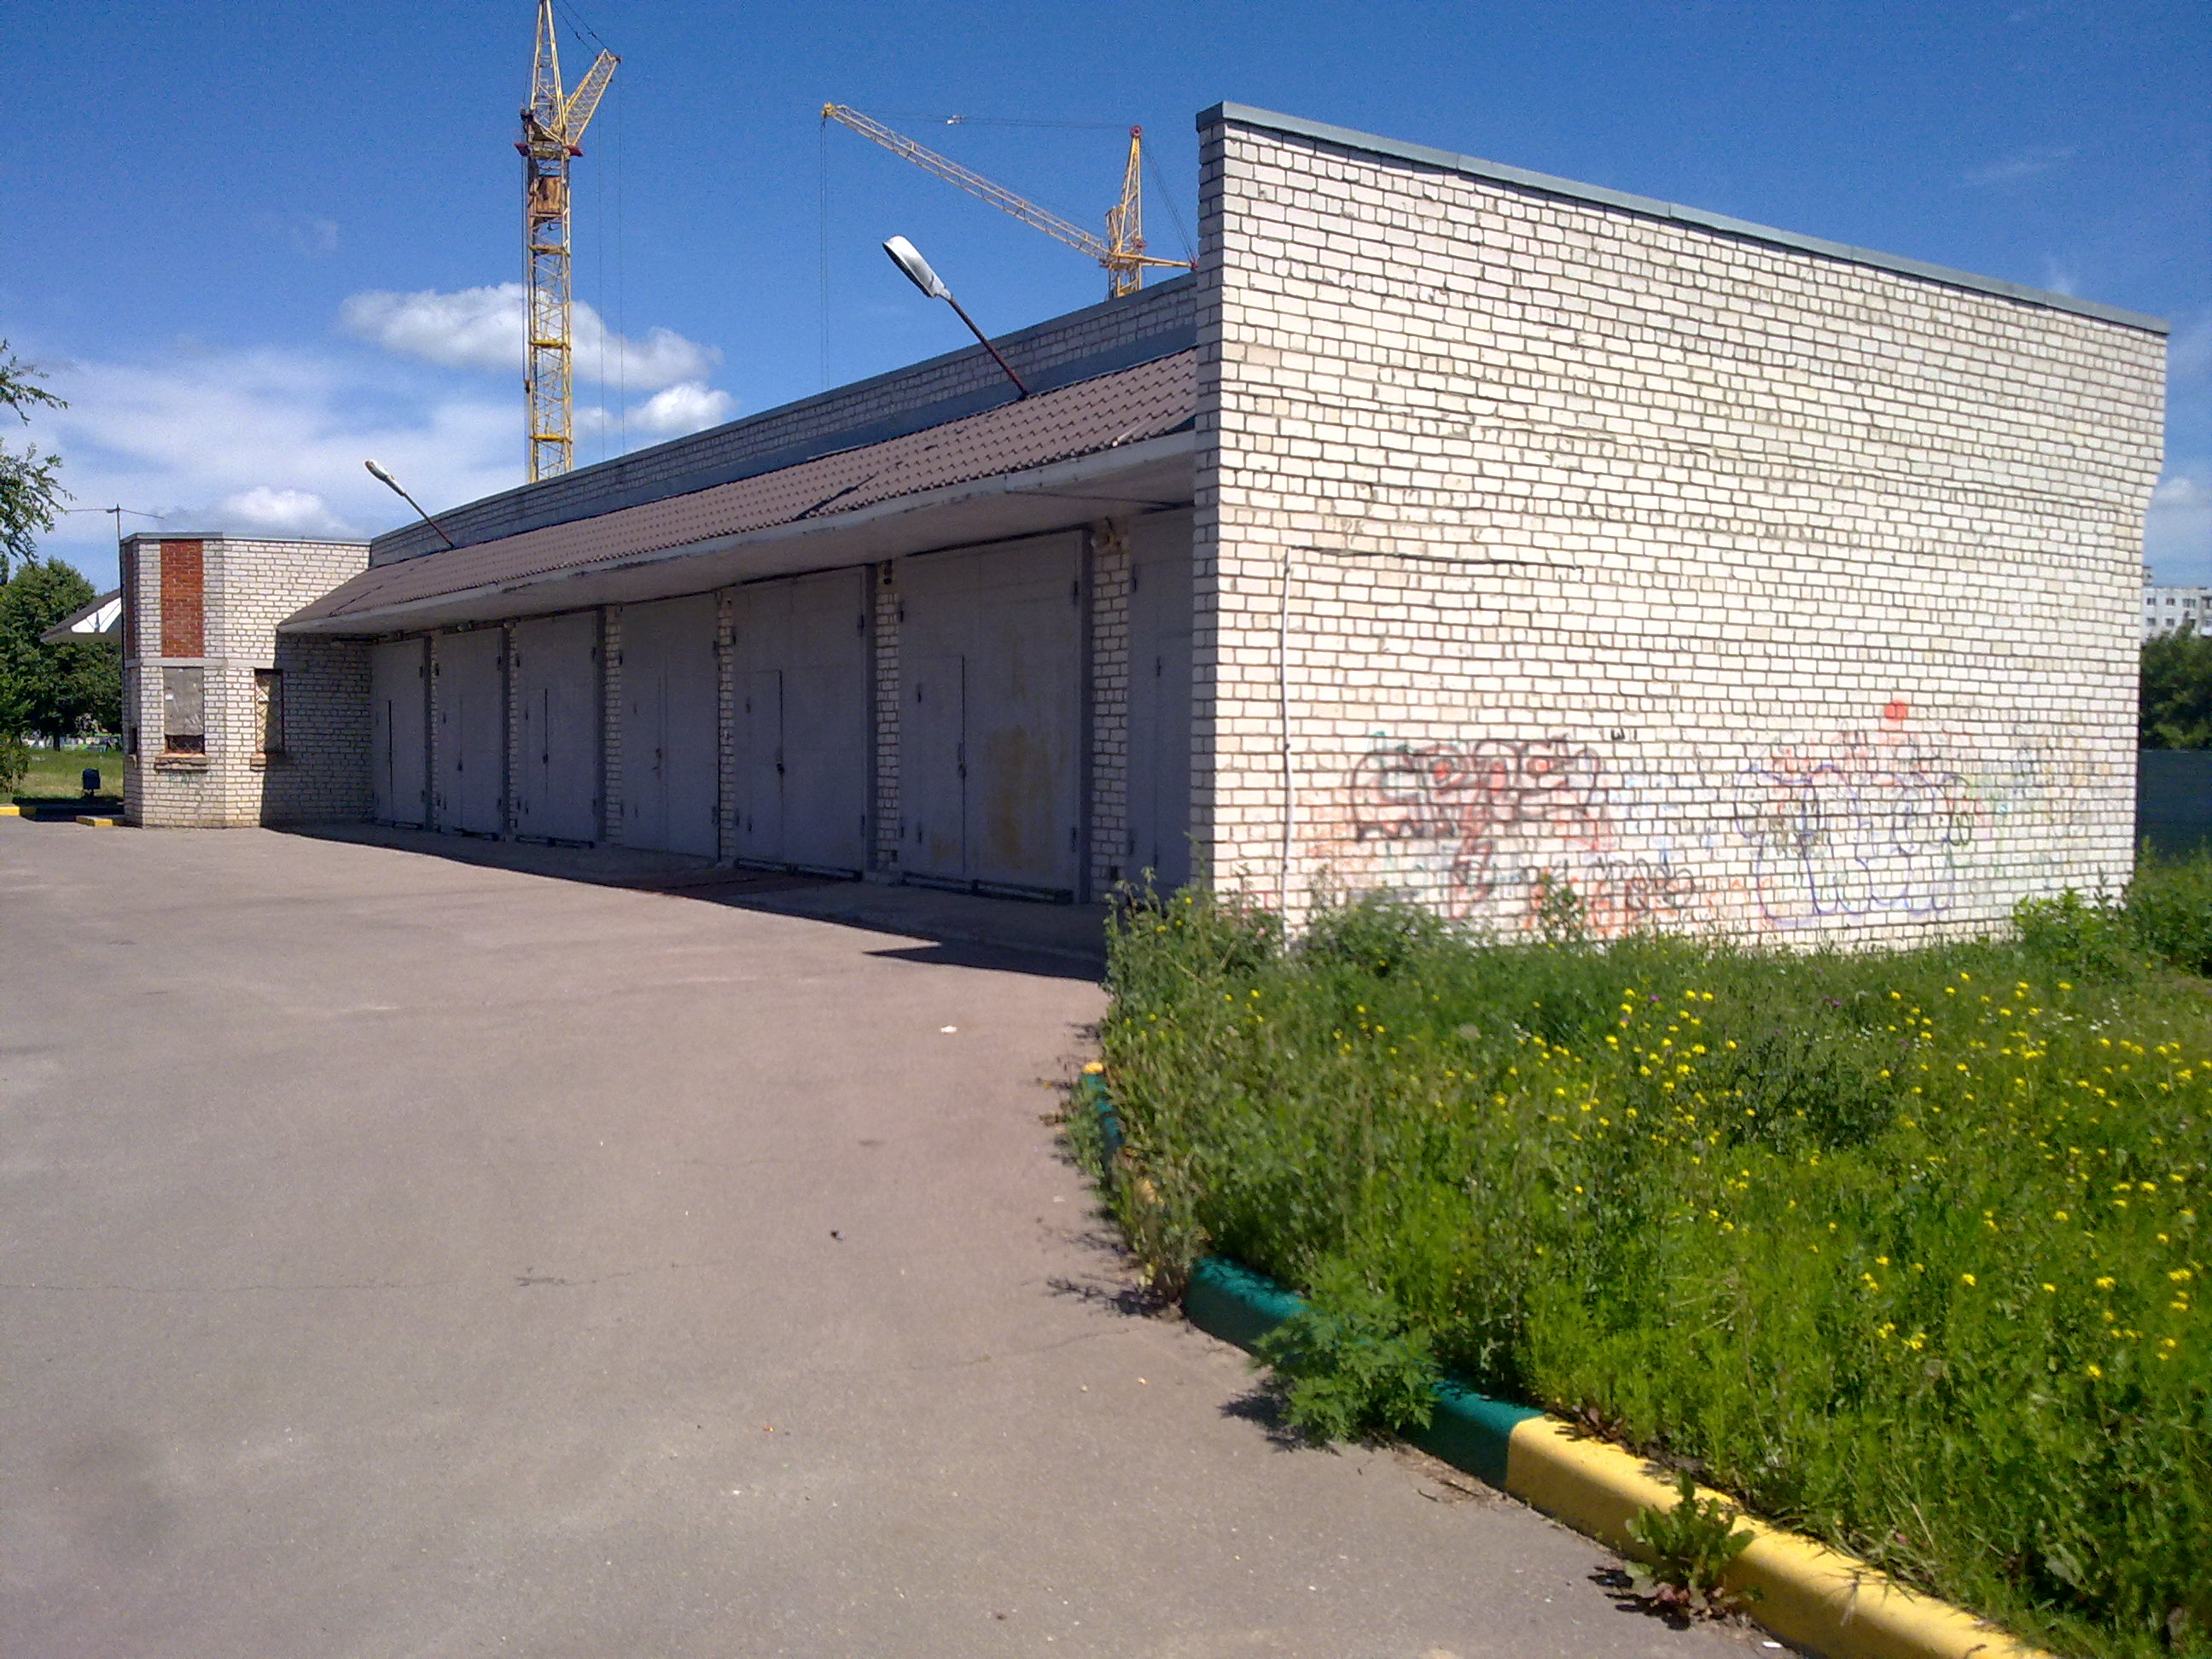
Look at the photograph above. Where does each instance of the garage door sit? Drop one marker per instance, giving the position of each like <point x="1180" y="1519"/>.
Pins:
<point x="670" y="781"/>
<point x="801" y="729"/>
<point x="1159" y="700"/>
<point x="470" y="693"/>
<point x="990" y="718"/>
<point x="399" y="730"/>
<point x="555" y="666"/>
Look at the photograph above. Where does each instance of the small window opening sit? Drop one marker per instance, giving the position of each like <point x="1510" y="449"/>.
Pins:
<point x="183" y="711"/>
<point x="269" y="711"/>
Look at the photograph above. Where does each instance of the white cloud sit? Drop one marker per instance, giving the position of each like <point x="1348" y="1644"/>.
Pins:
<point x="483" y="328"/>
<point x="262" y="511"/>
<point x="2019" y="167"/>
<point x="687" y="406"/>
<point x="265" y="442"/>
<point x="271" y="442"/>
<point x="2177" y="530"/>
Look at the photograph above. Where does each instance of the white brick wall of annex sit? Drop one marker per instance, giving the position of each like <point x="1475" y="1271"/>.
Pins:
<point x="1739" y="586"/>
<point x="1109" y="707"/>
<point x="245" y="587"/>
<point x="610" y="744"/>
<point x="890" y="828"/>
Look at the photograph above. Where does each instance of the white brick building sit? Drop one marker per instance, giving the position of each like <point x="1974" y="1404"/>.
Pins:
<point x="1453" y="531"/>
<point x="225" y="722"/>
<point x="2165" y="609"/>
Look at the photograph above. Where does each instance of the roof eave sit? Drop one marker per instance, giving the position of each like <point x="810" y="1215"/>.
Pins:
<point x="1149" y="476"/>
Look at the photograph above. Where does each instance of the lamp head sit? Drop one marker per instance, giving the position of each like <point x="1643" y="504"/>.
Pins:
<point x="908" y="258"/>
<point x="381" y="476"/>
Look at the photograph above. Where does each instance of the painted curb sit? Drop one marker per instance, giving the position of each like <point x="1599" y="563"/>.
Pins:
<point x="101" y="823"/>
<point x="1815" y="1597"/>
<point x="11" y="812"/>
<point x="1807" y="1594"/>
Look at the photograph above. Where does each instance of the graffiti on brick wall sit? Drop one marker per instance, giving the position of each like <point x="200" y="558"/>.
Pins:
<point x="1862" y="824"/>
<point x="1464" y="816"/>
<point x="1850" y="825"/>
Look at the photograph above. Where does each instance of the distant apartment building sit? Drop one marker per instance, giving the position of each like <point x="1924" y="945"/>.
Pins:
<point x="2166" y="609"/>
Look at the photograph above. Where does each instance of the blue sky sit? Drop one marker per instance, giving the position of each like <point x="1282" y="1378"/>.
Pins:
<point x="254" y="244"/>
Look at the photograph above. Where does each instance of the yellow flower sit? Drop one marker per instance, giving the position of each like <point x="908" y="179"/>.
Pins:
<point x="2106" y="1283"/>
<point x="2094" y="1370"/>
<point x="1965" y="1278"/>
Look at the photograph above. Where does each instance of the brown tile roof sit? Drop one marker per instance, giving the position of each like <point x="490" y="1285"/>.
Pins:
<point x="1127" y="406"/>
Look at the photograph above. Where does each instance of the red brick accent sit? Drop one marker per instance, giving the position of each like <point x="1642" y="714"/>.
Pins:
<point x="184" y="632"/>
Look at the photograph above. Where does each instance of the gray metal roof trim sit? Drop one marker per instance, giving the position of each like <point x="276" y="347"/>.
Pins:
<point x="1149" y="347"/>
<point x="240" y="541"/>
<point x="1650" y="207"/>
<point x="1145" y="400"/>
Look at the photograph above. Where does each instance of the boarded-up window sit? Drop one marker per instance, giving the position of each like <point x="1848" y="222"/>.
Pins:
<point x="269" y="711"/>
<point x="183" y="711"/>
<point x="183" y="632"/>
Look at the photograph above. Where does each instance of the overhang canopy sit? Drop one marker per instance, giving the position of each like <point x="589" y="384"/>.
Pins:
<point x="1117" y="444"/>
<point x="100" y="620"/>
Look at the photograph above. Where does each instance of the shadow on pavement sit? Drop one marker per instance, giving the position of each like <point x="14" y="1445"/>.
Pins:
<point x="1061" y="941"/>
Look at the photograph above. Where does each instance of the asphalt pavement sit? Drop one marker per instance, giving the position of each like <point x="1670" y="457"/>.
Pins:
<point x="406" y="1256"/>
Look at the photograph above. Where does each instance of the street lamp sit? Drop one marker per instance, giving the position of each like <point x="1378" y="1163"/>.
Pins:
<point x="393" y="484"/>
<point x="908" y="258"/>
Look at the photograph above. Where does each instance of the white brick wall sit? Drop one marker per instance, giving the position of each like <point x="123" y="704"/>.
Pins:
<point x="1632" y="555"/>
<point x="888" y="612"/>
<point x="248" y="588"/>
<point x="1110" y="705"/>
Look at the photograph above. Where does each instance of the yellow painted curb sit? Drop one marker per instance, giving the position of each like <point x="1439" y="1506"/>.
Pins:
<point x="11" y="812"/>
<point x="1808" y="1594"/>
<point x="101" y="823"/>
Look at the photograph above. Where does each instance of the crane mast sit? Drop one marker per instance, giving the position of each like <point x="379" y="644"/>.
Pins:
<point x="1121" y="251"/>
<point x="553" y="124"/>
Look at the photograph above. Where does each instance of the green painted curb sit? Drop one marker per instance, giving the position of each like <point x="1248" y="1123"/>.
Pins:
<point x="1825" y="1601"/>
<point x="1470" y="1431"/>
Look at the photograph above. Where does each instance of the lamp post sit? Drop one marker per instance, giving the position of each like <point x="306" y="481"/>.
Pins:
<point x="908" y="258"/>
<point x="393" y="484"/>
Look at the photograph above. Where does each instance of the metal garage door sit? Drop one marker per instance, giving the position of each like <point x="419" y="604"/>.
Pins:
<point x="670" y="784"/>
<point x="800" y="730"/>
<point x="991" y="717"/>
<point x="1159" y="746"/>
<point x="399" y="731"/>
<point x="557" y="726"/>
<point x="469" y="688"/>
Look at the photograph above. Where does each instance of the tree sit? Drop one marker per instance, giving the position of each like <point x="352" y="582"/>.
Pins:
<point x="53" y="691"/>
<point x="30" y="489"/>
<point x="2177" y="689"/>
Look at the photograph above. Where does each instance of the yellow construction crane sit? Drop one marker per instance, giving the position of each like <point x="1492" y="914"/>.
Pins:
<point x="1121" y="250"/>
<point x="553" y="125"/>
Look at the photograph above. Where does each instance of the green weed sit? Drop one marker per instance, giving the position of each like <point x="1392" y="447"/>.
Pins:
<point x="1689" y="1546"/>
<point x="1904" y="1249"/>
<point x="1354" y="1364"/>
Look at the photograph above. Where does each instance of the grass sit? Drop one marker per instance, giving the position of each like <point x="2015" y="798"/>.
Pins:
<point x="55" y="772"/>
<point x="1905" y="1249"/>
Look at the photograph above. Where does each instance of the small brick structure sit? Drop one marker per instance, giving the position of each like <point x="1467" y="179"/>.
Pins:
<point x="226" y="722"/>
<point x="1501" y="542"/>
